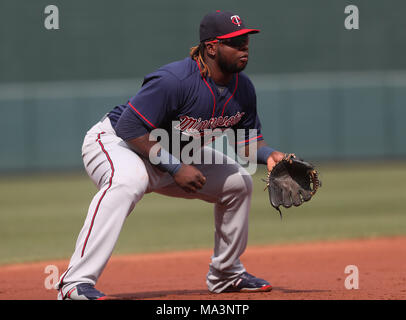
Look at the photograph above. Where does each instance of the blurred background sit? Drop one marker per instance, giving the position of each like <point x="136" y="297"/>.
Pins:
<point x="331" y="95"/>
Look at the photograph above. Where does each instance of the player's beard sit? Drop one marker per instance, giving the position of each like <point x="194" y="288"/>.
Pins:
<point x="228" y="67"/>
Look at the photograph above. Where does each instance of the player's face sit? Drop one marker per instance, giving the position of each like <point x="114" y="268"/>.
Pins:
<point x="232" y="54"/>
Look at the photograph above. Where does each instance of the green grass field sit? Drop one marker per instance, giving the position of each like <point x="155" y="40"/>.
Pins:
<point x="41" y="215"/>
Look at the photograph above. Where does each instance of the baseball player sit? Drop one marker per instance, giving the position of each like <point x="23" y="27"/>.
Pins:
<point x="207" y="90"/>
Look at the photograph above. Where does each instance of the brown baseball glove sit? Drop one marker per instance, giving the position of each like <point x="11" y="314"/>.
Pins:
<point x="292" y="181"/>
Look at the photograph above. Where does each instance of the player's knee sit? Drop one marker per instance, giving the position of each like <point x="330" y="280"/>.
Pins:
<point x="243" y="185"/>
<point x="248" y="184"/>
<point x="131" y="186"/>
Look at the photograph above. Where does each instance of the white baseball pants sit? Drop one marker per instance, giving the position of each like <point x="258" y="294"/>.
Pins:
<point x="123" y="177"/>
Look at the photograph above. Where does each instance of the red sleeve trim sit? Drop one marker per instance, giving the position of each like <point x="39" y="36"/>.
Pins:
<point x="145" y="119"/>
<point x="248" y="140"/>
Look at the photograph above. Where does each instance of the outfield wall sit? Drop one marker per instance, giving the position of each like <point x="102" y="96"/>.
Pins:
<point x="324" y="91"/>
<point x="316" y="115"/>
<point x="104" y="39"/>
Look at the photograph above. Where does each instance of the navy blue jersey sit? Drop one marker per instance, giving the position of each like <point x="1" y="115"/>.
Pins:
<point x="178" y="92"/>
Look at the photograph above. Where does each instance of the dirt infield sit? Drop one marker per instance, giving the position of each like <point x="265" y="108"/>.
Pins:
<point x="297" y="272"/>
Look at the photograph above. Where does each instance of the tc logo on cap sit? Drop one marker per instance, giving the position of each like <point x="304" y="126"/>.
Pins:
<point x="236" y="20"/>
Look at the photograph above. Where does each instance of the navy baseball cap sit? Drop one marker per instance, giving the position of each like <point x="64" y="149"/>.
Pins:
<point x="222" y="25"/>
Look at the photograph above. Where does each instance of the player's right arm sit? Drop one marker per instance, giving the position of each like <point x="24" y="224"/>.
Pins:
<point x="188" y="177"/>
<point x="151" y="108"/>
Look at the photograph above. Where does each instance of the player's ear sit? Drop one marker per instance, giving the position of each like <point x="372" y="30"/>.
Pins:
<point x="211" y="48"/>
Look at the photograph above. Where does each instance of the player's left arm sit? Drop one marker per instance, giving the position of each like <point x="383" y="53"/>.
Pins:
<point x="274" y="157"/>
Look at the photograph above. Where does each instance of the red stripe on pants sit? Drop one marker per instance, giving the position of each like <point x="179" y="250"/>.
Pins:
<point x="101" y="198"/>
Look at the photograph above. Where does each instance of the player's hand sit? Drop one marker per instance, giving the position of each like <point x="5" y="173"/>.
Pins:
<point x="273" y="159"/>
<point x="189" y="178"/>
